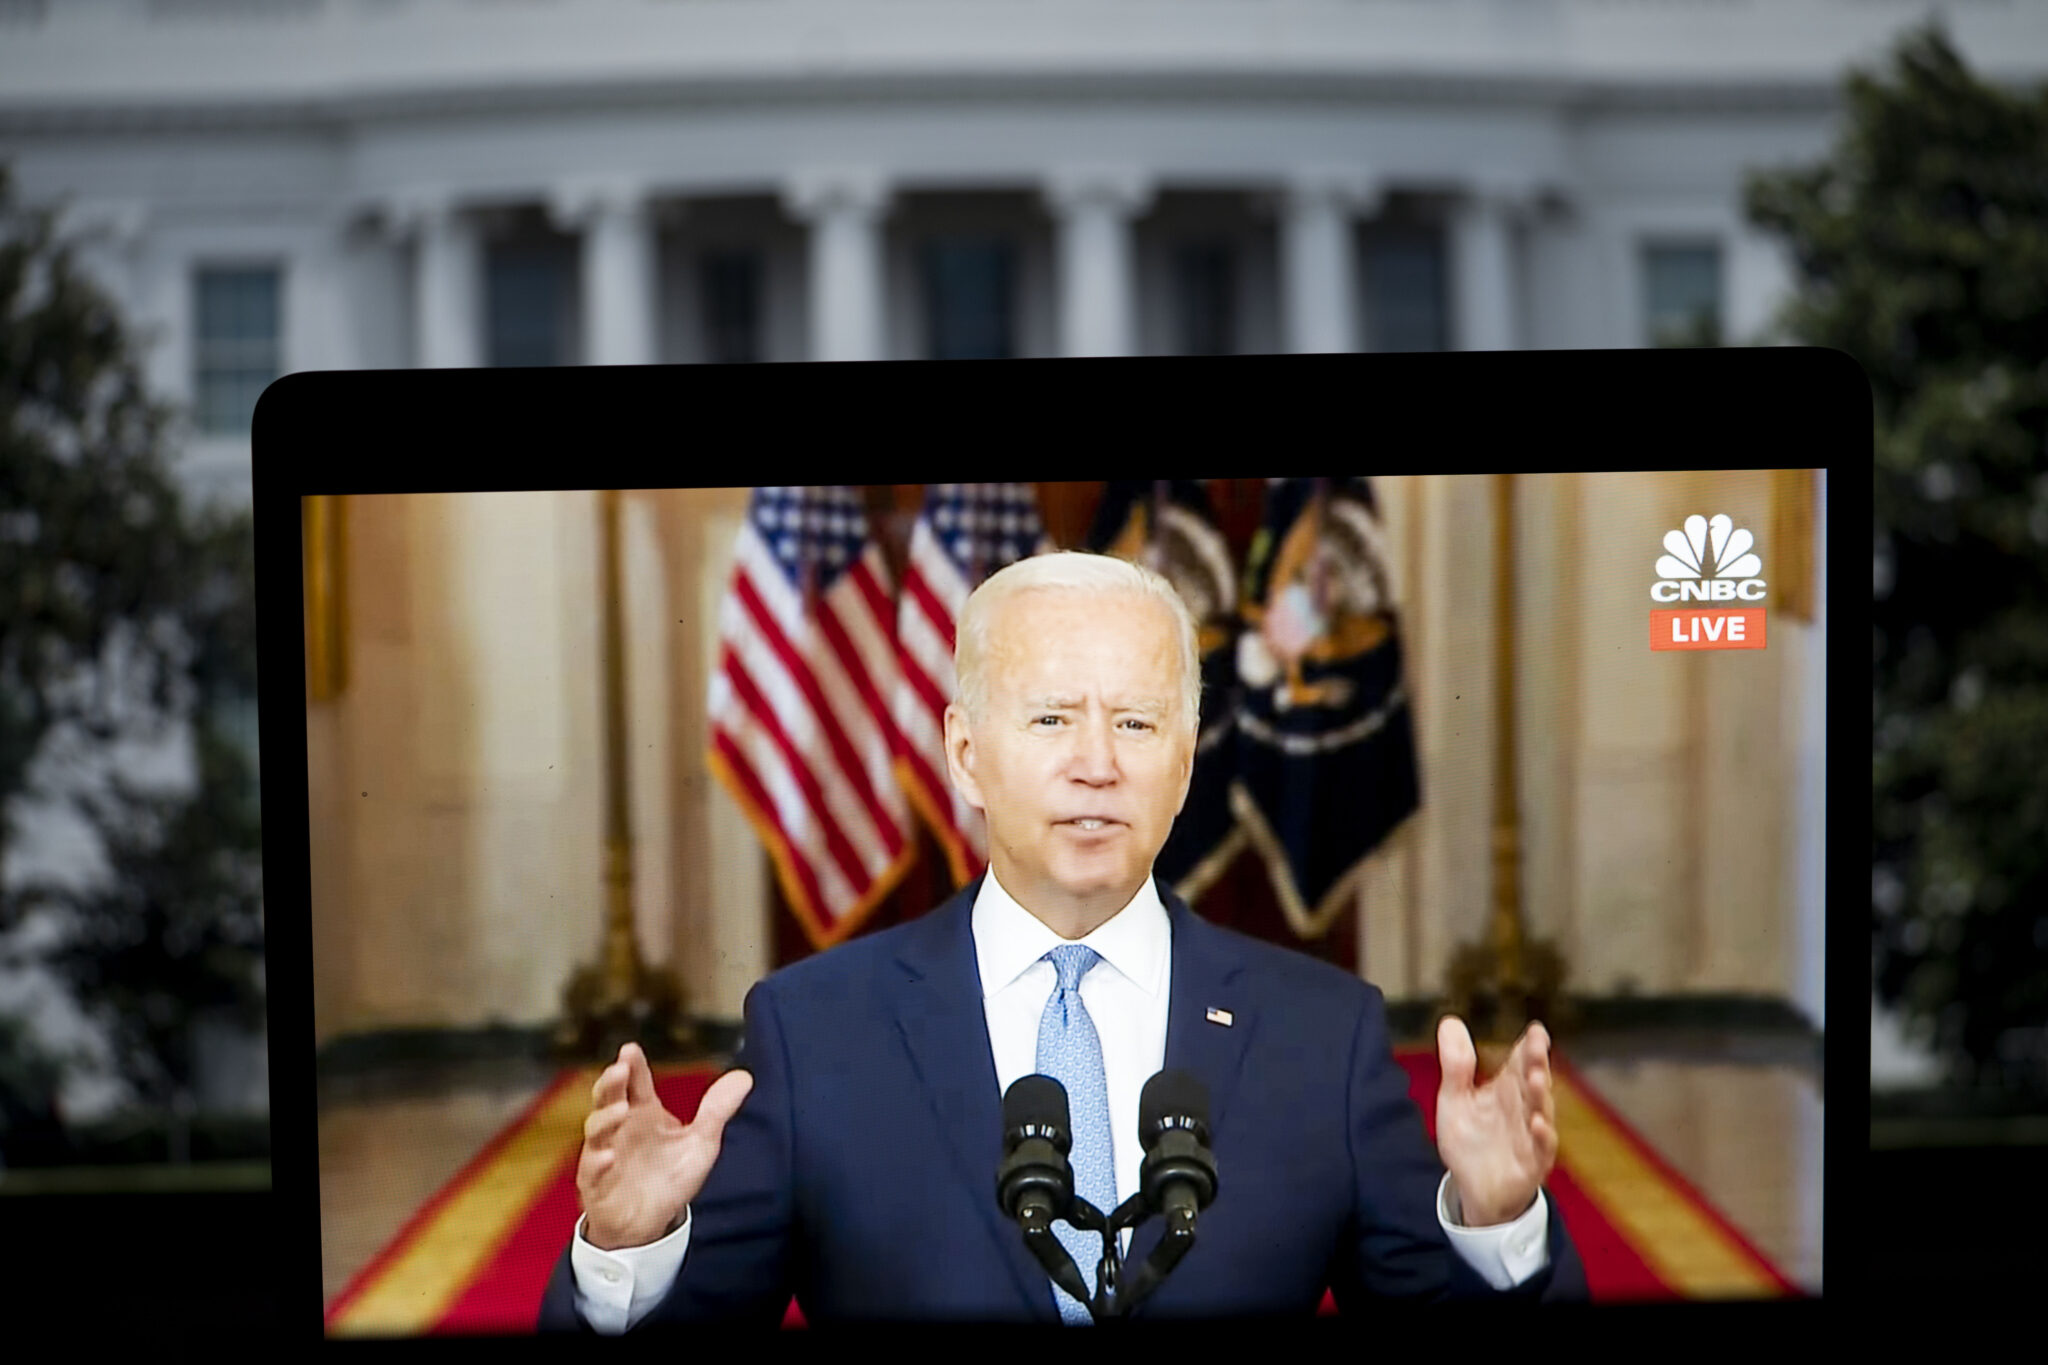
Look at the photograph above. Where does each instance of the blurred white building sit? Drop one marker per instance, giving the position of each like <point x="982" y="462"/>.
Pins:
<point x="280" y="185"/>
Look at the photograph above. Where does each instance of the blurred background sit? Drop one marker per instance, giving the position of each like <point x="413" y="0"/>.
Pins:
<point x="203" y="195"/>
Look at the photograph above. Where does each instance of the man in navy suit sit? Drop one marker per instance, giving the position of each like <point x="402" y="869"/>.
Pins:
<point x="850" y="1157"/>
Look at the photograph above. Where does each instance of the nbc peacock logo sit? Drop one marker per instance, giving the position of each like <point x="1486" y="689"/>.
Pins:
<point x="1683" y="575"/>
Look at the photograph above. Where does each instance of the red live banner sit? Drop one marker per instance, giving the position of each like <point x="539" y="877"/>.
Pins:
<point x="1708" y="628"/>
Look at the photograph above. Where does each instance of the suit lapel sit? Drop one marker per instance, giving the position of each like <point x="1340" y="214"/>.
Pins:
<point x="1207" y="974"/>
<point x="939" y="1012"/>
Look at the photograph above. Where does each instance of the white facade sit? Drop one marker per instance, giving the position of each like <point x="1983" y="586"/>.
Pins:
<point x="1118" y="176"/>
<point x="380" y="155"/>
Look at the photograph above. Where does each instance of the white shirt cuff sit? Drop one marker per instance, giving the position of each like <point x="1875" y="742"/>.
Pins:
<point x="1505" y="1255"/>
<point x="615" y="1289"/>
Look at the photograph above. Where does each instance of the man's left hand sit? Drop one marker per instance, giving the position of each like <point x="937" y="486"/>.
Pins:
<point x="1497" y="1139"/>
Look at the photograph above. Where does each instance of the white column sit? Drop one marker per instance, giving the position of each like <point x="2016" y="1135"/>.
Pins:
<point x="319" y="296"/>
<point x="320" y="307"/>
<point x="447" y="280"/>
<point x="164" y="307"/>
<point x="1318" y="271"/>
<point x="1098" y="289"/>
<point x="1759" y="276"/>
<point x="1483" y="280"/>
<point x="619" y="304"/>
<point x="844" y="210"/>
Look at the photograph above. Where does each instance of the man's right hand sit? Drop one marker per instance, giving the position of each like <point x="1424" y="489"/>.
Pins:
<point x="641" y="1165"/>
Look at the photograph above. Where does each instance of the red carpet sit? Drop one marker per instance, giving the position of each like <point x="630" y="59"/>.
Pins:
<point x="475" y="1257"/>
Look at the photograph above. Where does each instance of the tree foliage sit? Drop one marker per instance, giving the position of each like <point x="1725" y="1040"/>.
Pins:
<point x="128" y="616"/>
<point x="1922" y="251"/>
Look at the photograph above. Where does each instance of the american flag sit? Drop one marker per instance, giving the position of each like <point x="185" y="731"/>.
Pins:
<point x="965" y="533"/>
<point x="801" y="734"/>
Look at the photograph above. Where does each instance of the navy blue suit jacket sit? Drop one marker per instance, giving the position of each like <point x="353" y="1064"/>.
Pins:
<point x="859" y="1174"/>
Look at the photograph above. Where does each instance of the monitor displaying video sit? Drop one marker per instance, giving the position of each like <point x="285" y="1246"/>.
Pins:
<point x="655" y="778"/>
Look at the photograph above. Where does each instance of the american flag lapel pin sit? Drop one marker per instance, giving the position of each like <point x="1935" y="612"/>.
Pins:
<point x="1217" y="1016"/>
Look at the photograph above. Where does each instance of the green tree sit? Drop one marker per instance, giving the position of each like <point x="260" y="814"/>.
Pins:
<point x="1922" y="251"/>
<point x="128" y="615"/>
<point x="30" y="1130"/>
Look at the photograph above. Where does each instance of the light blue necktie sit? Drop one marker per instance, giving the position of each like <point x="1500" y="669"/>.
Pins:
<point x="1070" y="1052"/>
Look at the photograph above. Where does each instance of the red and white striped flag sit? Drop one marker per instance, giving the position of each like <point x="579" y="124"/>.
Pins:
<point x="801" y="733"/>
<point x="965" y="533"/>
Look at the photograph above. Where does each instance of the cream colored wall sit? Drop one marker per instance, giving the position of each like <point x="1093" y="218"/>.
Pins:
<point x="458" y="785"/>
<point x="1655" y="787"/>
<point x="719" y="932"/>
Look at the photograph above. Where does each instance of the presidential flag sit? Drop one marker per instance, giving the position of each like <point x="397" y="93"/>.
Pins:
<point x="1169" y="526"/>
<point x="801" y="732"/>
<point x="965" y="532"/>
<point x="1326" y="742"/>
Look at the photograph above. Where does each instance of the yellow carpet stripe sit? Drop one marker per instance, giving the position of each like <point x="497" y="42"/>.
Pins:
<point x="1686" y="1249"/>
<point x="448" y="1252"/>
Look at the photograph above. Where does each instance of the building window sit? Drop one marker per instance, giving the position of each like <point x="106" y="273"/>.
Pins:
<point x="1404" y="285"/>
<point x="1205" y="298"/>
<point x="970" y="309"/>
<point x="530" y="301"/>
<point x="1682" y="295"/>
<point x="237" y="346"/>
<point x="732" y="308"/>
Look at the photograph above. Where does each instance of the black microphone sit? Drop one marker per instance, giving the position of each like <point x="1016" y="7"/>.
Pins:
<point x="1035" y="1182"/>
<point x="1178" y="1174"/>
<point x="1035" y="1176"/>
<point x="1177" y="1178"/>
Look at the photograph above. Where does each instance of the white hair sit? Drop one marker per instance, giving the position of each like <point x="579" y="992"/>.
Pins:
<point x="1070" y="571"/>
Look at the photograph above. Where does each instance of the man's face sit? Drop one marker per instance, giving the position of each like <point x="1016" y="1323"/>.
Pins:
<point x="1082" y="755"/>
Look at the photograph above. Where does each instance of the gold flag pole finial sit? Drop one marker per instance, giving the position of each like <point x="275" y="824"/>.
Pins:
<point x="620" y="998"/>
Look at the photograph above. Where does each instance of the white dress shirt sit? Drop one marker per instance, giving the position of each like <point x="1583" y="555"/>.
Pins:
<point x="1126" y="995"/>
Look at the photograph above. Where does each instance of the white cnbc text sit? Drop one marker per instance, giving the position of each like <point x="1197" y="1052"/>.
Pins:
<point x="1681" y="572"/>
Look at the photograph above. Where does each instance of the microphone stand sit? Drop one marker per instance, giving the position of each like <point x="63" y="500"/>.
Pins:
<point x="1174" y="1244"/>
<point x="1114" y="1299"/>
<point x="1039" y="1238"/>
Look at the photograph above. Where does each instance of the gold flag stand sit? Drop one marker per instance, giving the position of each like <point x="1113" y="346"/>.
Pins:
<point x="620" y="998"/>
<point x="1499" y="985"/>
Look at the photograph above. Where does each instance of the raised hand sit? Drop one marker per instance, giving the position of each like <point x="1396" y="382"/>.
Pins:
<point x="641" y="1165"/>
<point x="1498" y="1140"/>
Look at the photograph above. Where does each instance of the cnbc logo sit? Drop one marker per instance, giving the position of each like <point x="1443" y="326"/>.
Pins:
<point x="1709" y="561"/>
